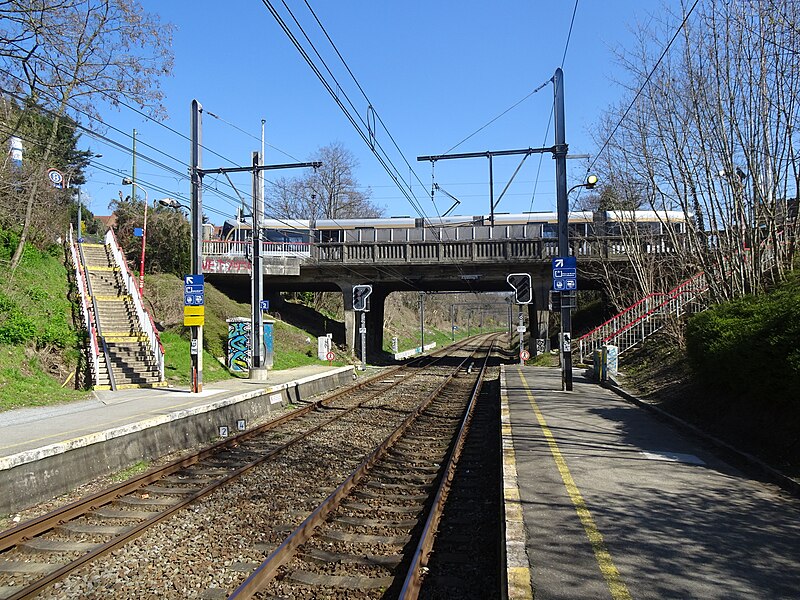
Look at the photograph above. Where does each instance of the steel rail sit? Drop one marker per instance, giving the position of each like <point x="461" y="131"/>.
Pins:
<point x="413" y="581"/>
<point x="267" y="570"/>
<point x="53" y="519"/>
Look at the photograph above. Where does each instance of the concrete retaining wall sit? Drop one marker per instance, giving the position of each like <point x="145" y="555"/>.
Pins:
<point x="414" y="351"/>
<point x="38" y="475"/>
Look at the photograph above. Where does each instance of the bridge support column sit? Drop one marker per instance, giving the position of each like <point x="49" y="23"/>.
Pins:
<point x="351" y="318"/>
<point x="374" y="322"/>
<point x="539" y="319"/>
<point x="375" y="317"/>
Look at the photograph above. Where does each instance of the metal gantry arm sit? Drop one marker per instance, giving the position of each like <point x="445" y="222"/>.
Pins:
<point x="490" y="154"/>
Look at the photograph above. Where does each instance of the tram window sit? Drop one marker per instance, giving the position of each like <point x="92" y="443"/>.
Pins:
<point x="549" y="230"/>
<point x="516" y="231"/>
<point x="577" y="229"/>
<point x="330" y="236"/>
<point x="483" y="232"/>
<point x="350" y="235"/>
<point x="415" y="234"/>
<point x="366" y="234"/>
<point x="383" y="235"/>
<point x="533" y="230"/>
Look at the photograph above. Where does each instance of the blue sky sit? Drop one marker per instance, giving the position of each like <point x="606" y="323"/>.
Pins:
<point x="435" y="72"/>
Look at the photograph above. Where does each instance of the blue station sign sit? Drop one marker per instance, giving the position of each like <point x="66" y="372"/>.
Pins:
<point x="565" y="273"/>
<point x="193" y="290"/>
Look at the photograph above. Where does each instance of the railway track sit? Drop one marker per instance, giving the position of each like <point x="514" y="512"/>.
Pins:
<point x="371" y="537"/>
<point x="57" y="546"/>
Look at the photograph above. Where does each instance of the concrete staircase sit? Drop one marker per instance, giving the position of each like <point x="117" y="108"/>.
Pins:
<point x="124" y="344"/>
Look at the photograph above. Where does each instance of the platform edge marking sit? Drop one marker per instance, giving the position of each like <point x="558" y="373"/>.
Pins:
<point x="518" y="570"/>
<point x="617" y="587"/>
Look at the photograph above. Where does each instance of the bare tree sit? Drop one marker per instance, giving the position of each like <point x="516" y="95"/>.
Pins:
<point x="713" y="135"/>
<point x="72" y="56"/>
<point x="329" y="192"/>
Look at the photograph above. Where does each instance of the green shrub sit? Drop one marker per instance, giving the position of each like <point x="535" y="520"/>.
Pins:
<point x="16" y="328"/>
<point x="749" y="347"/>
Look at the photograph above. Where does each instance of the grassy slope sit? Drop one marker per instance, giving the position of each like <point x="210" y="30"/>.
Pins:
<point x="35" y="300"/>
<point x="164" y="299"/>
<point x="34" y="304"/>
<point x="40" y="349"/>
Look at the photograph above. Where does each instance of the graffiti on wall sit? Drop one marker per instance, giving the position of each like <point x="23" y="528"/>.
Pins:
<point x="232" y="266"/>
<point x="239" y="345"/>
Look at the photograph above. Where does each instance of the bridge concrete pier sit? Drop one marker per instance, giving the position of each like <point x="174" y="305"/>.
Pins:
<point x="351" y="318"/>
<point x="374" y="321"/>
<point x="539" y="317"/>
<point x="375" y="318"/>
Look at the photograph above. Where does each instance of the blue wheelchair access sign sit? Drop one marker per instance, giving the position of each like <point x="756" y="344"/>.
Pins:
<point x="193" y="290"/>
<point x="565" y="273"/>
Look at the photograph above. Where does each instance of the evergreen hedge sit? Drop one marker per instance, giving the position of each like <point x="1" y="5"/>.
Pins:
<point x="750" y="348"/>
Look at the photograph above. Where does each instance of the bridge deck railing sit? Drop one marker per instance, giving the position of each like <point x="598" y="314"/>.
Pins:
<point x="449" y="251"/>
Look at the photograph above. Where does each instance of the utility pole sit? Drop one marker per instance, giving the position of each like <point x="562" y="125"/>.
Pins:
<point x="256" y="168"/>
<point x="197" y="235"/>
<point x="560" y="155"/>
<point x="257" y="280"/>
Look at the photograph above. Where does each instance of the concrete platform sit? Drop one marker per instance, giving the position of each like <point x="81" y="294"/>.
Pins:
<point x="602" y="500"/>
<point x="46" y="451"/>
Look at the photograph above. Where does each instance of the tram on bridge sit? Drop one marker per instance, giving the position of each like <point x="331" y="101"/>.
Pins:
<point x="294" y="237"/>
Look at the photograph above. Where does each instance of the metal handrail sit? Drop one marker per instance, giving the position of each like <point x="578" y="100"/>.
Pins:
<point x="84" y="294"/>
<point x="244" y="248"/>
<point x="146" y="323"/>
<point x="544" y="247"/>
<point x="620" y="331"/>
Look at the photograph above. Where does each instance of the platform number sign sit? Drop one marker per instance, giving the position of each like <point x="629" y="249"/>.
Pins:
<point x="360" y="295"/>
<point x="521" y="284"/>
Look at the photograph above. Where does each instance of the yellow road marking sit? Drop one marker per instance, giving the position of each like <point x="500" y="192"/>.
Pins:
<point x="617" y="587"/>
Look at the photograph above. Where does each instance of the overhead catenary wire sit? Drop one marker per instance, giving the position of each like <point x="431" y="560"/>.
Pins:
<point x="382" y="157"/>
<point x="368" y="136"/>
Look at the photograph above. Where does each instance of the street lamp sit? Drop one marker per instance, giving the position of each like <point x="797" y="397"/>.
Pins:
<point x="128" y="181"/>
<point x="172" y="203"/>
<point x="589" y="184"/>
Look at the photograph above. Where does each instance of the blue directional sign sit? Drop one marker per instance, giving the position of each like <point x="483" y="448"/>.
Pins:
<point x="264" y="304"/>
<point x="193" y="290"/>
<point x="565" y="273"/>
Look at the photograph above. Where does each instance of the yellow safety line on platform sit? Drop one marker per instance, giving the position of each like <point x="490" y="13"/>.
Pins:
<point x="617" y="587"/>
<point x="518" y="570"/>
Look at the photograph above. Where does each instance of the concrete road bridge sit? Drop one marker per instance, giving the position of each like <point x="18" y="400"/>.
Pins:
<point x="413" y="259"/>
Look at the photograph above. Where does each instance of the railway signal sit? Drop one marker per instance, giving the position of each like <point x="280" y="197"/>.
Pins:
<point x="521" y="283"/>
<point x="360" y="295"/>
